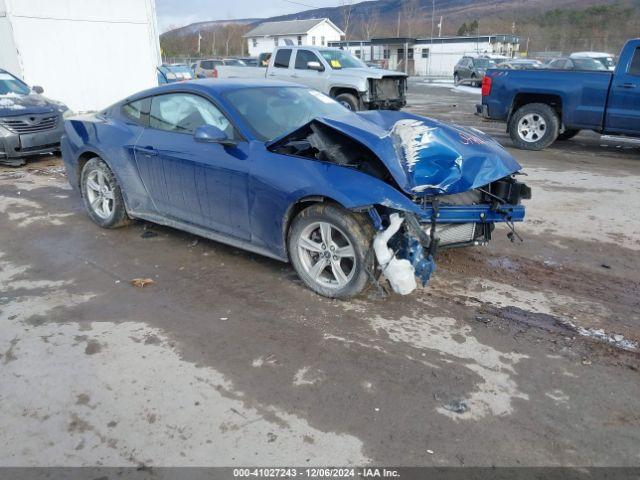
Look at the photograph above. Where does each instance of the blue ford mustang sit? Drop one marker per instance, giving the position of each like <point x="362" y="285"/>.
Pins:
<point x="287" y="172"/>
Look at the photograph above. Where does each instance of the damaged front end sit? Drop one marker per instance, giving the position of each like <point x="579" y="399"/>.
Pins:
<point x="451" y="184"/>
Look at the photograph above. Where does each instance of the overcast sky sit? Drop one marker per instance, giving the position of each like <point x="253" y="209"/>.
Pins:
<point x="183" y="12"/>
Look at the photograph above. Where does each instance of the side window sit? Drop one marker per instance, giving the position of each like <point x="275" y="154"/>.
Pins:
<point x="282" y="58"/>
<point x="206" y="65"/>
<point x="136" y="111"/>
<point x="303" y="57"/>
<point x="634" y="67"/>
<point x="183" y="113"/>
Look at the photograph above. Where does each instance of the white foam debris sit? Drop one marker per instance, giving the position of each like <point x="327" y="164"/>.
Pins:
<point x="9" y="104"/>
<point x="414" y="136"/>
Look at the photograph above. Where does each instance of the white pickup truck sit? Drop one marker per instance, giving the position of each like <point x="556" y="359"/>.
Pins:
<point x="332" y="71"/>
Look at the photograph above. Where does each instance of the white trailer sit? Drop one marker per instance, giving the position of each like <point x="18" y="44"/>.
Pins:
<point x="87" y="54"/>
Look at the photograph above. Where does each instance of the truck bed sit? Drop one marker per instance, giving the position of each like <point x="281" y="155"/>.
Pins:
<point x="583" y="93"/>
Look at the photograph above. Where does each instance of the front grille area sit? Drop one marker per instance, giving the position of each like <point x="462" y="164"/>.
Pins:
<point x="30" y="123"/>
<point x="387" y="89"/>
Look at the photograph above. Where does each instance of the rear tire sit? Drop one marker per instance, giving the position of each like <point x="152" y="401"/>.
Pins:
<point x="456" y="79"/>
<point x="341" y="240"/>
<point x="534" y="126"/>
<point x="568" y="134"/>
<point x="102" y="195"/>
<point x="349" y="101"/>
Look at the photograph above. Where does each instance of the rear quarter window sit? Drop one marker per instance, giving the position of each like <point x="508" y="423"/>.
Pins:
<point x="136" y="111"/>
<point x="282" y="58"/>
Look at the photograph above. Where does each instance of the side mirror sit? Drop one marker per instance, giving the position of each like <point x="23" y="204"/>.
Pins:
<point x="317" y="66"/>
<point x="38" y="90"/>
<point x="211" y="134"/>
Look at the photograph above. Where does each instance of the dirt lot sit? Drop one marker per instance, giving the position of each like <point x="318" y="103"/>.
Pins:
<point x="227" y="359"/>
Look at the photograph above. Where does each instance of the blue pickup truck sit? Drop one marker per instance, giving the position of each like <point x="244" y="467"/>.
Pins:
<point x="542" y="106"/>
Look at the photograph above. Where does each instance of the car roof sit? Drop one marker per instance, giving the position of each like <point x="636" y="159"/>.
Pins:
<point x="211" y="86"/>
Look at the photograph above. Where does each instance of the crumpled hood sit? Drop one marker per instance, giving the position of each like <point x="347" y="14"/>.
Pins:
<point x="425" y="156"/>
<point x="13" y="104"/>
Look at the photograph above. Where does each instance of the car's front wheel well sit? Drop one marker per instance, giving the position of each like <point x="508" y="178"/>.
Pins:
<point x="82" y="161"/>
<point x="335" y="91"/>
<point x="299" y="206"/>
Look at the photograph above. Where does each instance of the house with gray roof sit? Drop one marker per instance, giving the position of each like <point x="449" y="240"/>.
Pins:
<point x="313" y="31"/>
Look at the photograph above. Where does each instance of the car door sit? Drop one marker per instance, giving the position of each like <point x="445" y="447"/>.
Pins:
<point x="204" y="184"/>
<point x="281" y="63"/>
<point x="305" y="75"/>
<point x="623" y="108"/>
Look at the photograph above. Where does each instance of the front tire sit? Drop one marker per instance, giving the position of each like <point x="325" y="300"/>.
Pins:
<point x="330" y="249"/>
<point x="348" y="101"/>
<point x="534" y="126"/>
<point x="102" y="195"/>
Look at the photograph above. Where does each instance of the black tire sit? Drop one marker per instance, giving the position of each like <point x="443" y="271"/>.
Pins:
<point x="456" y="79"/>
<point x="474" y="81"/>
<point x="546" y="137"/>
<point x="349" y="101"/>
<point x="118" y="216"/>
<point x="359" y="232"/>
<point x="568" y="134"/>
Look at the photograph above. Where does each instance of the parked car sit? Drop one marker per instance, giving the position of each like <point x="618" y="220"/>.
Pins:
<point x="250" y="61"/>
<point x="332" y="71"/>
<point x="174" y="73"/>
<point x="206" y="68"/>
<point x="543" y="106"/>
<point x="520" y="64"/>
<point x="234" y="62"/>
<point x="606" y="59"/>
<point x="30" y="124"/>
<point x="566" y="63"/>
<point x="471" y="70"/>
<point x="285" y="171"/>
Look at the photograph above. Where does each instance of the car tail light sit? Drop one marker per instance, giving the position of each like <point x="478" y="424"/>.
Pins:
<point x="486" y="86"/>
<point x="215" y="73"/>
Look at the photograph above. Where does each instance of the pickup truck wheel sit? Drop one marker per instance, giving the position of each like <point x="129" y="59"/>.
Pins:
<point x="348" y="101"/>
<point x="456" y="79"/>
<point x="330" y="249"/>
<point x="567" y="134"/>
<point x="474" y="80"/>
<point x="534" y="126"/>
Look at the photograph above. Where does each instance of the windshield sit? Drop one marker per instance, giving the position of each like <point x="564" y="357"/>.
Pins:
<point x="11" y="85"/>
<point x="274" y="111"/>
<point x="339" y="59"/>
<point x="588" y="64"/>
<point x="484" y="63"/>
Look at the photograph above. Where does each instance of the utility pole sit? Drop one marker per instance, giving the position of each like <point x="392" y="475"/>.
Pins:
<point x="440" y="27"/>
<point x="199" y="41"/>
<point x="433" y="21"/>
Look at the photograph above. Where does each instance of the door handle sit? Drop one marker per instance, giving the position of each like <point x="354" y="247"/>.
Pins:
<point x="627" y="85"/>
<point x="152" y="152"/>
<point x="272" y="74"/>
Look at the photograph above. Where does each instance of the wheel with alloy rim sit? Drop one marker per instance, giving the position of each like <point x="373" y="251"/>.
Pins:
<point x="534" y="126"/>
<point x="328" y="247"/>
<point x="102" y="195"/>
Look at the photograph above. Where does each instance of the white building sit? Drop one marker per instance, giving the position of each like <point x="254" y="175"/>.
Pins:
<point x="425" y="56"/>
<point x="314" y="31"/>
<point x="85" y="53"/>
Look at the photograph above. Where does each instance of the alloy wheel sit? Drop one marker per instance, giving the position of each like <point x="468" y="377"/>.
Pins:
<point x="100" y="194"/>
<point x="327" y="255"/>
<point x="532" y="127"/>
